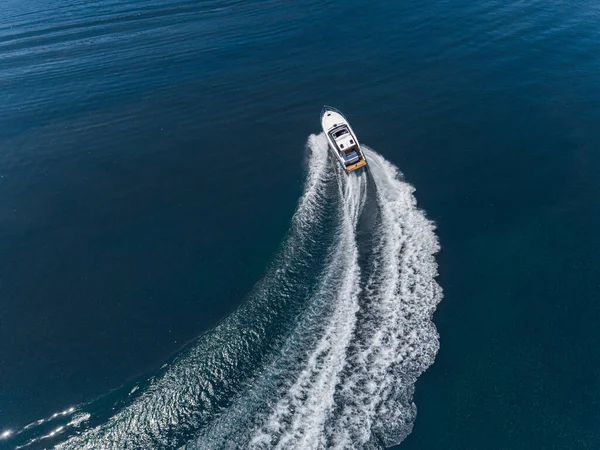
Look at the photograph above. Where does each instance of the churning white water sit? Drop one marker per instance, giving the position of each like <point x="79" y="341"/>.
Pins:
<point x="351" y="386"/>
<point x="354" y="299"/>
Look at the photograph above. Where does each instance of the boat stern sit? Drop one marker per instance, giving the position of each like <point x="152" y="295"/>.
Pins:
<point x="357" y="165"/>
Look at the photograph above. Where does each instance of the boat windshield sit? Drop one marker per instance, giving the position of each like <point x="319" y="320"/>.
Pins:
<point x="341" y="132"/>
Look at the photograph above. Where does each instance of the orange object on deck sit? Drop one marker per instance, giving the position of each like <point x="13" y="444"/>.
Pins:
<point x="357" y="165"/>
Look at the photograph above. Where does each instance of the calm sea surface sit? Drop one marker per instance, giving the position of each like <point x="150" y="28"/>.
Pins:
<point x="158" y="180"/>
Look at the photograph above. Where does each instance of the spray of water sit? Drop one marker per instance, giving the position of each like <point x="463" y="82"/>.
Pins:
<point x="326" y="350"/>
<point x="352" y="386"/>
<point x="299" y="416"/>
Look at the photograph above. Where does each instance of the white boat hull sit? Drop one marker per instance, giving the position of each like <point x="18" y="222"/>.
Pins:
<point x="342" y="140"/>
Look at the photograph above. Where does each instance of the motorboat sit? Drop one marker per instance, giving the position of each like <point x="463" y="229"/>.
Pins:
<point x="342" y="140"/>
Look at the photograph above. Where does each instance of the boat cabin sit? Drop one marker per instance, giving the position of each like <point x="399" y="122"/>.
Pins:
<point x="346" y="145"/>
<point x="342" y="140"/>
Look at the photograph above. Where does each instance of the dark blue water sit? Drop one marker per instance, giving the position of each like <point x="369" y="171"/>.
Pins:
<point x="158" y="180"/>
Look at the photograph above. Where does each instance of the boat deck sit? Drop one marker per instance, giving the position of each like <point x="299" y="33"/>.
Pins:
<point x="357" y="165"/>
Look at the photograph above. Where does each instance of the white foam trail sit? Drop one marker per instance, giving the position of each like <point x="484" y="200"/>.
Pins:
<point x="356" y="388"/>
<point x="345" y="376"/>
<point x="185" y="391"/>
<point x="311" y="202"/>
<point x="396" y="340"/>
<point x="298" y="419"/>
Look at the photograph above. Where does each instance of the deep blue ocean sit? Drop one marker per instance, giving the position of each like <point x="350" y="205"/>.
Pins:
<point x="184" y="265"/>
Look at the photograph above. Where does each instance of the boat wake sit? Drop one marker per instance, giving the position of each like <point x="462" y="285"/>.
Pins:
<point x="325" y="351"/>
